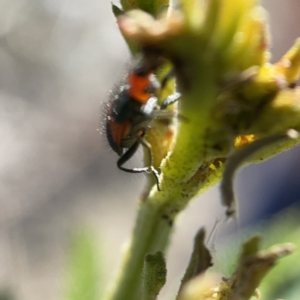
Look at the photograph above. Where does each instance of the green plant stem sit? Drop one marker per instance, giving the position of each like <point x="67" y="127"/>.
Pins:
<point x="204" y="141"/>
<point x="153" y="226"/>
<point x="151" y="234"/>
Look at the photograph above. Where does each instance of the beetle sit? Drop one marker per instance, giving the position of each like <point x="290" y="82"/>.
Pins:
<point x="131" y="109"/>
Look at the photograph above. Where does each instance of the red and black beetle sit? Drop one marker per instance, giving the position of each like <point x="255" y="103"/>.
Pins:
<point x="130" y="111"/>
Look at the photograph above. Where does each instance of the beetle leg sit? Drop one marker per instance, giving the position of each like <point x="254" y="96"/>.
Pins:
<point x="151" y="168"/>
<point x="130" y="152"/>
<point x="170" y="100"/>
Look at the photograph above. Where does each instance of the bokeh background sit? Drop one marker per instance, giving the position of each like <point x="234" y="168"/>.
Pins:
<point x="58" y="60"/>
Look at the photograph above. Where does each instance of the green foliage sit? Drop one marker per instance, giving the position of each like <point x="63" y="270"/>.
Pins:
<point x="83" y="273"/>
<point x="282" y="281"/>
<point x="253" y="266"/>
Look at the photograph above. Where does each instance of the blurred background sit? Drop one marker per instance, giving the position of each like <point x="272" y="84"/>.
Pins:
<point x="58" y="60"/>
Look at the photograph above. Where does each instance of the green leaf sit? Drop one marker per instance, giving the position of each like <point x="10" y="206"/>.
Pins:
<point x="154" y="275"/>
<point x="152" y="7"/>
<point x="200" y="259"/>
<point x="116" y="10"/>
